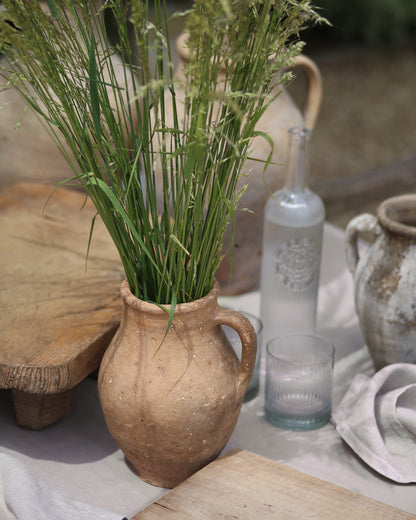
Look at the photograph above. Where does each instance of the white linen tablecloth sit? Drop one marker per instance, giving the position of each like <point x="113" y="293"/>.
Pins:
<point x="24" y="496"/>
<point x="79" y="458"/>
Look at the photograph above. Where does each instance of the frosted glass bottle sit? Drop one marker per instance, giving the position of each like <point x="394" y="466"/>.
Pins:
<point x="292" y="248"/>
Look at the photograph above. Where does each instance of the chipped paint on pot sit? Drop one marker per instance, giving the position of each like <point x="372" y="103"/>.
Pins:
<point x="385" y="279"/>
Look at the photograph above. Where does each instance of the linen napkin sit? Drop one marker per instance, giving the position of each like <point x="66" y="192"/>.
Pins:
<point x="377" y="418"/>
<point x="23" y="496"/>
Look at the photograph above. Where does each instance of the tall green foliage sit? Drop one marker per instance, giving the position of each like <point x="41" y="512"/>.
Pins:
<point x="115" y="130"/>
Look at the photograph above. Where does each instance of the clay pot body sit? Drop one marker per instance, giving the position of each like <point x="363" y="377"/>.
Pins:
<point x="276" y="121"/>
<point x="23" y="152"/>
<point x="171" y="403"/>
<point x="385" y="280"/>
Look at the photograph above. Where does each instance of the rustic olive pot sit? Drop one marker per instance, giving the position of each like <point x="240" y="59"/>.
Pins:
<point x="282" y="114"/>
<point x="171" y="403"/>
<point x="385" y="279"/>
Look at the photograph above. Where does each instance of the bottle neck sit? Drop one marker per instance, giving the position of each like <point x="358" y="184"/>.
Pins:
<point x="297" y="177"/>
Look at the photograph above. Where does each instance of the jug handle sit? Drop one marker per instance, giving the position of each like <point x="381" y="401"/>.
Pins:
<point x="309" y="67"/>
<point x="364" y="223"/>
<point x="247" y="334"/>
<point x="314" y="94"/>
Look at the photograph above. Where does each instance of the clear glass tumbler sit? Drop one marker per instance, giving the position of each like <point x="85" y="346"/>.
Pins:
<point x="299" y="370"/>
<point x="233" y="338"/>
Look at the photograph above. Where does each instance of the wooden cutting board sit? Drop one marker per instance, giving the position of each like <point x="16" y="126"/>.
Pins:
<point x="245" y="486"/>
<point x="57" y="314"/>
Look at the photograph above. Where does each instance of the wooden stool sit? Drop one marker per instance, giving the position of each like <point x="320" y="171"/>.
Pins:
<point x="59" y="311"/>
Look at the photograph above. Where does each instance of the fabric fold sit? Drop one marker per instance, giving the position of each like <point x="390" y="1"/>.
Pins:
<point x="377" y="419"/>
<point x="23" y="496"/>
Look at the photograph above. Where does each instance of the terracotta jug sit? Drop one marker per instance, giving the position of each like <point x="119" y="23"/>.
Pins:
<point x="276" y="121"/>
<point x="385" y="279"/>
<point x="171" y="403"/>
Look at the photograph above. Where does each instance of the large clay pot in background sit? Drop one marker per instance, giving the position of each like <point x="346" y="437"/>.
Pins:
<point x="27" y="150"/>
<point x="385" y="279"/>
<point x="171" y="403"/>
<point x="276" y="121"/>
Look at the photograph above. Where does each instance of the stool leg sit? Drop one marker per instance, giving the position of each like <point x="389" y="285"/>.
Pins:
<point x="36" y="411"/>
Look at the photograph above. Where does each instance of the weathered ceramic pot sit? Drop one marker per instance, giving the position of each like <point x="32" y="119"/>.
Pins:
<point x="171" y="403"/>
<point x="385" y="279"/>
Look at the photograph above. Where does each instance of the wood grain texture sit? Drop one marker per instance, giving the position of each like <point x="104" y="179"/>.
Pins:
<point x="35" y="411"/>
<point x="56" y="318"/>
<point x="246" y="486"/>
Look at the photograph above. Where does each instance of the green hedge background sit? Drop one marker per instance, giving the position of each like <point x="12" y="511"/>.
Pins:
<point x="370" y="22"/>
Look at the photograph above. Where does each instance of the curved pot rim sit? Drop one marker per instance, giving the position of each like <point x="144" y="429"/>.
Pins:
<point x="393" y="210"/>
<point x="148" y="307"/>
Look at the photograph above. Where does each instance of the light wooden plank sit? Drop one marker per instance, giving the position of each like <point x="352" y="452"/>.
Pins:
<point x="246" y="486"/>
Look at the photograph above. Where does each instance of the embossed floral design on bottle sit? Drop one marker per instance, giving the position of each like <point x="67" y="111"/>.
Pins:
<point x="292" y="245"/>
<point x="297" y="263"/>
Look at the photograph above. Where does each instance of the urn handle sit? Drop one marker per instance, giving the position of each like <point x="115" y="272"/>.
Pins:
<point x="309" y="67"/>
<point x="364" y="223"/>
<point x="314" y="89"/>
<point x="247" y="334"/>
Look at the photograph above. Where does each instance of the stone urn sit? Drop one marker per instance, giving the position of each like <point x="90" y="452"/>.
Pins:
<point x="385" y="279"/>
<point x="276" y="121"/>
<point x="171" y="400"/>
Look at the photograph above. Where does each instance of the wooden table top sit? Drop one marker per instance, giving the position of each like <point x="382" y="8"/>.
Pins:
<point x="57" y="314"/>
